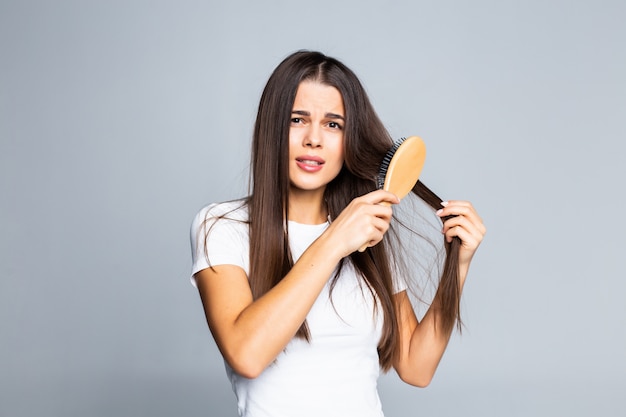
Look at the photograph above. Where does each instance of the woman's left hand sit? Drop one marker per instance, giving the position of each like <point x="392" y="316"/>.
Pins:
<point x="464" y="224"/>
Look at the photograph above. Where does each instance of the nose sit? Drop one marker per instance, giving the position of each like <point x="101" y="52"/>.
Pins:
<point x="313" y="138"/>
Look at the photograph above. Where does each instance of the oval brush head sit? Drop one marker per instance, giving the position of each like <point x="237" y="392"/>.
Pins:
<point x="401" y="167"/>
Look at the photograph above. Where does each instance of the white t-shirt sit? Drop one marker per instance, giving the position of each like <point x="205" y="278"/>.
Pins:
<point x="336" y="373"/>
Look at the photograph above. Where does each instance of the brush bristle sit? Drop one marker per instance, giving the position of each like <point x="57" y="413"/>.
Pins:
<point x="384" y="165"/>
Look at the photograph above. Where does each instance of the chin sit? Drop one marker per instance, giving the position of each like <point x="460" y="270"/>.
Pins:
<point x="307" y="187"/>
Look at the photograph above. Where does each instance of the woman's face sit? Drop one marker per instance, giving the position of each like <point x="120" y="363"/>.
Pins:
<point x="315" y="137"/>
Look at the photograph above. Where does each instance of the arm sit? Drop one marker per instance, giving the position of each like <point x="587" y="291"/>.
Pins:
<point x="251" y="333"/>
<point x="422" y="344"/>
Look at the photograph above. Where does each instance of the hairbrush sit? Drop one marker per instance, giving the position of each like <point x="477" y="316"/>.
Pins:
<point x="401" y="167"/>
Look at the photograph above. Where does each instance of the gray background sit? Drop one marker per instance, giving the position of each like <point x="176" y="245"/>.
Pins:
<point x="120" y="119"/>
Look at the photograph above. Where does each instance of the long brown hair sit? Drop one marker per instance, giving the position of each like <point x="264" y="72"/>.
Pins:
<point x="365" y="143"/>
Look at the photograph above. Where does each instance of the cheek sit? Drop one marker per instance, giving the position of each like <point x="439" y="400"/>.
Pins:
<point x="292" y="144"/>
<point x="340" y="158"/>
<point x="339" y="152"/>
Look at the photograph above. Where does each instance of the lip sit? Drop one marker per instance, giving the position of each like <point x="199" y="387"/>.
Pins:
<point x="310" y="163"/>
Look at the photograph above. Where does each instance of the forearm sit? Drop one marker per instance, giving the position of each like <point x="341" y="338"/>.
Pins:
<point x="251" y="333"/>
<point x="264" y="327"/>
<point x="427" y="343"/>
<point x="427" y="346"/>
<point x="422" y="344"/>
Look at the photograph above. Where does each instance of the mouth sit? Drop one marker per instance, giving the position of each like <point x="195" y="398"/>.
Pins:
<point x="310" y="164"/>
<point x="310" y="161"/>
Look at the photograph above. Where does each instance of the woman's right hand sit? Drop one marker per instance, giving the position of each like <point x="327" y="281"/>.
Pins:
<point x="363" y="222"/>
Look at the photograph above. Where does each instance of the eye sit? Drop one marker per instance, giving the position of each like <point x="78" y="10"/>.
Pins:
<point x="296" y="120"/>
<point x="334" y="125"/>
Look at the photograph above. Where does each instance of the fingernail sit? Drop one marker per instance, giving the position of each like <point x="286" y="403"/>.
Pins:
<point x="444" y="203"/>
<point x="438" y="212"/>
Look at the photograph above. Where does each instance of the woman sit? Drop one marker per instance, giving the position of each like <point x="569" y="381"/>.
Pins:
<point x="303" y="319"/>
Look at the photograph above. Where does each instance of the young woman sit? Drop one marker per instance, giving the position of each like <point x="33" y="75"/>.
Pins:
<point x="304" y="320"/>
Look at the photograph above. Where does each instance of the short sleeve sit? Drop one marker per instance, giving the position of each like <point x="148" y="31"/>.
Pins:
<point x="219" y="236"/>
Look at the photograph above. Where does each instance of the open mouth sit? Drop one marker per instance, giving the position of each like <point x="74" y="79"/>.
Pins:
<point x="309" y="162"/>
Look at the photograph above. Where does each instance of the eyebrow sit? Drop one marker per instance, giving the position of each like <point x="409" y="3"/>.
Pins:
<point x="327" y="115"/>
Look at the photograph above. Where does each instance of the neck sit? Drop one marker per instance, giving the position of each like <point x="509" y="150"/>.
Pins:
<point x="307" y="207"/>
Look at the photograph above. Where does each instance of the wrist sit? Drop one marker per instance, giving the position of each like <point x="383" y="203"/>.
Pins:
<point x="328" y="248"/>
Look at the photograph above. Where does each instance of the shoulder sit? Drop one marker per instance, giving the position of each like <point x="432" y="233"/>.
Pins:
<point x="219" y="235"/>
<point x="219" y="218"/>
<point x="229" y="211"/>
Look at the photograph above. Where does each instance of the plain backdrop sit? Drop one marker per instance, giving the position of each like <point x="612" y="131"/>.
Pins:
<point x="120" y="119"/>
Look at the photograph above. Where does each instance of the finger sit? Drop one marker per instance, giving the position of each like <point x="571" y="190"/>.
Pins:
<point x="456" y="208"/>
<point x="468" y="237"/>
<point x="462" y="221"/>
<point x="377" y="210"/>
<point x="372" y="242"/>
<point x="465" y="230"/>
<point x="380" y="196"/>
<point x="461" y="208"/>
<point x="375" y="231"/>
<point x="469" y="240"/>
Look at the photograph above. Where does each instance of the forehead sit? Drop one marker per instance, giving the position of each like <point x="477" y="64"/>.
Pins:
<point x="312" y="95"/>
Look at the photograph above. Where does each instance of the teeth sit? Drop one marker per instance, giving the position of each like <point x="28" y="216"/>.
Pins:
<point x="308" y="162"/>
